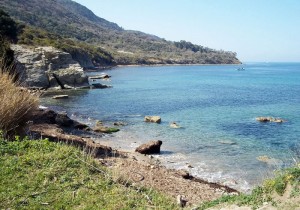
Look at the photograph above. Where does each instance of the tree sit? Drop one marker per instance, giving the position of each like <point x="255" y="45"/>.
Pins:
<point x="8" y="27"/>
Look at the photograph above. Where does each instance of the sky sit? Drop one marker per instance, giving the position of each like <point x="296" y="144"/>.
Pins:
<point x="257" y="30"/>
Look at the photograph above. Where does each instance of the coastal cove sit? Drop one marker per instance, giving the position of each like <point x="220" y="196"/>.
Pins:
<point x="216" y="106"/>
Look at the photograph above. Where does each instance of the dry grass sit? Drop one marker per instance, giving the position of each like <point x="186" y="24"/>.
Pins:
<point x="16" y="105"/>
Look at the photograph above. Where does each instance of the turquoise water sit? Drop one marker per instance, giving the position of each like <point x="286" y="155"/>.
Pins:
<point x="215" y="105"/>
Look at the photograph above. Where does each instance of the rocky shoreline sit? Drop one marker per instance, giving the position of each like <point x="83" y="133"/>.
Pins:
<point x="133" y="167"/>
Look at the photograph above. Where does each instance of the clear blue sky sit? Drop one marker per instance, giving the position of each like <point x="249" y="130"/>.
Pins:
<point x="258" y="30"/>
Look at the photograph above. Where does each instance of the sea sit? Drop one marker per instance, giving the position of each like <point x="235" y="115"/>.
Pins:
<point x="216" y="107"/>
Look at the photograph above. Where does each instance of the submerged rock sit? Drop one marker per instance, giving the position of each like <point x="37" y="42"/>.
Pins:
<point x="152" y="147"/>
<point x="102" y="129"/>
<point x="268" y="160"/>
<point x="120" y="124"/>
<point x="152" y="119"/>
<point x="174" y="125"/>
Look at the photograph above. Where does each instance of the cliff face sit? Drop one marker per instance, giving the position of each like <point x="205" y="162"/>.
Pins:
<point x="45" y="67"/>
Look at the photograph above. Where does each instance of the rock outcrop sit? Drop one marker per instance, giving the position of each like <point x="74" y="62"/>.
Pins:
<point x="47" y="116"/>
<point x="152" y="147"/>
<point x="153" y="119"/>
<point x="46" y="67"/>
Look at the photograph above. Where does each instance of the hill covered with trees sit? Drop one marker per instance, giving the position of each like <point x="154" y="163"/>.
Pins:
<point x="74" y="28"/>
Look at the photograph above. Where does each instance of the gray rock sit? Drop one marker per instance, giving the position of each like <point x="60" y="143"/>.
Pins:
<point x="153" y="119"/>
<point x="46" y="67"/>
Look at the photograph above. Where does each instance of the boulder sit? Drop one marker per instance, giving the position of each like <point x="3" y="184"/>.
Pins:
<point x="151" y="147"/>
<point x="269" y="119"/>
<point x="174" y="125"/>
<point x="152" y="119"/>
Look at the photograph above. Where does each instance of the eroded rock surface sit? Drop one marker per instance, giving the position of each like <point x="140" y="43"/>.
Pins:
<point x="46" y="67"/>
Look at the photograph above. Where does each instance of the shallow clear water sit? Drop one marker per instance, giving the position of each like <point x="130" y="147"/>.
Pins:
<point x="215" y="105"/>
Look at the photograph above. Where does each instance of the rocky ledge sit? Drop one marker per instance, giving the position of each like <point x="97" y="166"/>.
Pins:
<point x="55" y="127"/>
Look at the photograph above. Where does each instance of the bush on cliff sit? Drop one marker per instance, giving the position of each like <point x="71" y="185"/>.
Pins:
<point x="16" y="105"/>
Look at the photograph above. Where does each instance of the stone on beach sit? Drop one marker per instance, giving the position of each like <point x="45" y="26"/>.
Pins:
<point x="270" y="119"/>
<point x="151" y="147"/>
<point x="153" y="119"/>
<point x="60" y="97"/>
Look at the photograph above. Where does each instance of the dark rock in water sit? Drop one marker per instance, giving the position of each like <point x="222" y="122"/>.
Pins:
<point x="151" y="147"/>
<point x="153" y="119"/>
<point x="64" y="120"/>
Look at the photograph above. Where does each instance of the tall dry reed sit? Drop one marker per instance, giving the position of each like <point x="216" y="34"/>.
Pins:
<point x="16" y="105"/>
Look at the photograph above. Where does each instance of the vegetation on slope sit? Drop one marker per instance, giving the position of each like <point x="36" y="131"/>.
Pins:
<point x="8" y="33"/>
<point x="71" y="20"/>
<point x="47" y="175"/>
<point x="281" y="192"/>
<point x="78" y="49"/>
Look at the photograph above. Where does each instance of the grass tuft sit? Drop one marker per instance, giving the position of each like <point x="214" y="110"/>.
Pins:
<point x="16" y="104"/>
